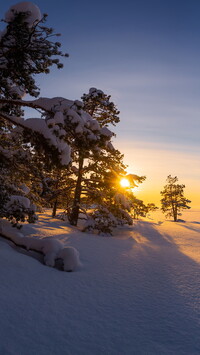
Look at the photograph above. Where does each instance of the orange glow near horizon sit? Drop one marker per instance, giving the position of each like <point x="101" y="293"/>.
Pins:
<point x="156" y="162"/>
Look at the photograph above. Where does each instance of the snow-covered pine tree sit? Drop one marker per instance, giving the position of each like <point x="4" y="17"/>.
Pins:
<point x="99" y="106"/>
<point x="173" y="201"/>
<point x="84" y="147"/>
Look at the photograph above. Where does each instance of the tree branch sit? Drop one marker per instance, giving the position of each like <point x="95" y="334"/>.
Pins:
<point x="31" y="104"/>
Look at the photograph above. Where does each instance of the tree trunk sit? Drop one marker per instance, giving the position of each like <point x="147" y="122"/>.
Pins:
<point x="55" y="204"/>
<point x="173" y="210"/>
<point x="73" y="218"/>
<point x="54" y="208"/>
<point x="175" y="214"/>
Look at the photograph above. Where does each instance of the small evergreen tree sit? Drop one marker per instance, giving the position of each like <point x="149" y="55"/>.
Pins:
<point x="173" y="201"/>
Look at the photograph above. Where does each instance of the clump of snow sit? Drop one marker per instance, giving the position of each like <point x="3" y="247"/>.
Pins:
<point x="106" y="132"/>
<point x="93" y="92"/>
<point x="33" y="12"/>
<point x="110" y="146"/>
<point x="40" y="125"/>
<point x="70" y="258"/>
<point x="18" y="200"/>
<point x="56" y="102"/>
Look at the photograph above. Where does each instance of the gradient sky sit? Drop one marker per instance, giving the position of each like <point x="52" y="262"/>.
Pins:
<point x="146" y="55"/>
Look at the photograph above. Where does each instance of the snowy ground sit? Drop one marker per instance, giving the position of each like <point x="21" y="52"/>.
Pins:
<point x="137" y="293"/>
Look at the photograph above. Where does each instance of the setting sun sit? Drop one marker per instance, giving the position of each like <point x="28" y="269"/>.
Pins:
<point x="124" y="182"/>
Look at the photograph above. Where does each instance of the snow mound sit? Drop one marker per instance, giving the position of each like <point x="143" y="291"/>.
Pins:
<point x="51" y="248"/>
<point x="33" y="12"/>
<point x="70" y="258"/>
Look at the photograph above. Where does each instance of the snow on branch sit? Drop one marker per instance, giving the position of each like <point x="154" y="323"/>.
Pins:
<point x="65" y="120"/>
<point x="32" y="11"/>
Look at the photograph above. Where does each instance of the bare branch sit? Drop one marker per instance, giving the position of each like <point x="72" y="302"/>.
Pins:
<point x="31" y="104"/>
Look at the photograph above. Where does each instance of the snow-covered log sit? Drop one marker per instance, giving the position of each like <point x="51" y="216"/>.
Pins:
<point x="52" y="249"/>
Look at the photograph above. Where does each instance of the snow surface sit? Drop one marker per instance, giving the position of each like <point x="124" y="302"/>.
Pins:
<point x="137" y="293"/>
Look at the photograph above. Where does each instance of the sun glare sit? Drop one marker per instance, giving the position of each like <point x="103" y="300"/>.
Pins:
<point x="124" y="182"/>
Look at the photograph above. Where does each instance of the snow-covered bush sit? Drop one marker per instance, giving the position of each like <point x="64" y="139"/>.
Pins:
<point x="19" y="208"/>
<point x="101" y="221"/>
<point x="16" y="207"/>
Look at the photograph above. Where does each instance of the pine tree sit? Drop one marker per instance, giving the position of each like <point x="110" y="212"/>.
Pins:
<point x="86" y="156"/>
<point x="173" y="201"/>
<point x="99" y="169"/>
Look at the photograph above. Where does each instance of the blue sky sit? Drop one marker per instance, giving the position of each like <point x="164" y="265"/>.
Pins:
<point x="146" y="55"/>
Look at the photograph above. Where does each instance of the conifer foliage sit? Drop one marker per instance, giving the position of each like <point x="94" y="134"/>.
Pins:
<point x="26" y="49"/>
